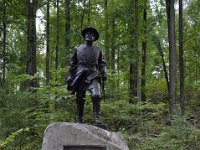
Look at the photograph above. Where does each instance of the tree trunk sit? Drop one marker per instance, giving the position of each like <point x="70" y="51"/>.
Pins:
<point x="181" y="57"/>
<point x="31" y="67"/>
<point x="144" y="47"/>
<point x="47" y="48"/>
<point x="131" y="53"/>
<point x="4" y="102"/>
<point x="134" y="53"/>
<point x="113" y="47"/>
<point x="89" y="15"/>
<point x="118" y="70"/>
<point x="83" y="14"/>
<point x="106" y="32"/>
<point x="57" y="34"/>
<point x="172" y="55"/>
<point x="137" y="57"/>
<point x="160" y="50"/>
<point x="67" y="31"/>
<point x="4" y="44"/>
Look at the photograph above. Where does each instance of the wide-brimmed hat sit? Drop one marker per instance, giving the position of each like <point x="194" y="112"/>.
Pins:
<point x="92" y="29"/>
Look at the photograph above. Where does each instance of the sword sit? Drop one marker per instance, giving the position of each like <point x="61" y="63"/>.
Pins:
<point x="103" y="91"/>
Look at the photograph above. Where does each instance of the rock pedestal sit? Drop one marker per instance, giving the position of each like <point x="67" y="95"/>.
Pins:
<point x="75" y="136"/>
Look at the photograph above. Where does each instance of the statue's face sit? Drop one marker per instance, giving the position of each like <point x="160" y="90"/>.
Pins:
<point x="89" y="36"/>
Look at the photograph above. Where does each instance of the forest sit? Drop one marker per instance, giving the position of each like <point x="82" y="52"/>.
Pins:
<point x="152" y="51"/>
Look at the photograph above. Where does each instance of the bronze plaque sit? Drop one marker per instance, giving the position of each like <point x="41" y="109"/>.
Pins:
<point x="84" y="147"/>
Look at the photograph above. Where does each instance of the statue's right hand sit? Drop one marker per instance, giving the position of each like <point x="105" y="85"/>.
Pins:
<point x="104" y="76"/>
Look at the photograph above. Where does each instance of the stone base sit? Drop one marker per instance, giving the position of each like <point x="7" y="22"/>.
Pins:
<point x="65" y="135"/>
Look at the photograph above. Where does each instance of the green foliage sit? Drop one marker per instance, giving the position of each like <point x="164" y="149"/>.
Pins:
<point x="157" y="91"/>
<point x="133" y="119"/>
<point x="116" y="86"/>
<point x="127" y="115"/>
<point x="12" y="137"/>
<point x="52" y="104"/>
<point x="24" y="114"/>
<point x="179" y="135"/>
<point x="32" y="110"/>
<point x="144" y="127"/>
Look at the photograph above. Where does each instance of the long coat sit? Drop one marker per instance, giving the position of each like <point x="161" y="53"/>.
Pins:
<point x="87" y="64"/>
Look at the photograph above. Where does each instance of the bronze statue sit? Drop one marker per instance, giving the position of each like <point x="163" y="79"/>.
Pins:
<point x="87" y="69"/>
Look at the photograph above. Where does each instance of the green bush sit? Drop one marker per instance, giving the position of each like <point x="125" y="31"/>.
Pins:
<point x="135" y="121"/>
<point x="179" y="135"/>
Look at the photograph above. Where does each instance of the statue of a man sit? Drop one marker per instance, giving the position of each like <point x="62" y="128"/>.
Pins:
<point x="87" y="69"/>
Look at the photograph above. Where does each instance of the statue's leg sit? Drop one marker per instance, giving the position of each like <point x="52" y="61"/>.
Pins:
<point x="96" y="98"/>
<point x="80" y="106"/>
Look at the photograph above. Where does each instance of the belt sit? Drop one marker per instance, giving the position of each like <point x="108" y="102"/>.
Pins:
<point x="91" y="66"/>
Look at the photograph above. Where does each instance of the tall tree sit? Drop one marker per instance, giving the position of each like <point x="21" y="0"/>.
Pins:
<point x="83" y="14"/>
<point x="172" y="54"/>
<point x="57" y="34"/>
<point x="113" y="43"/>
<point x="134" y="53"/>
<point x="137" y="55"/>
<point x="47" y="48"/>
<point x="157" y="42"/>
<point x="5" y="120"/>
<point x="31" y="67"/>
<point x="181" y="57"/>
<point x="106" y="30"/>
<point x="67" y="30"/>
<point x="4" y="43"/>
<point x="89" y="11"/>
<point x="144" y="47"/>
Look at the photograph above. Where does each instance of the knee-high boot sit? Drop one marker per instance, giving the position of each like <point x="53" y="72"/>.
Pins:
<point x="80" y="110"/>
<point x="96" y="109"/>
